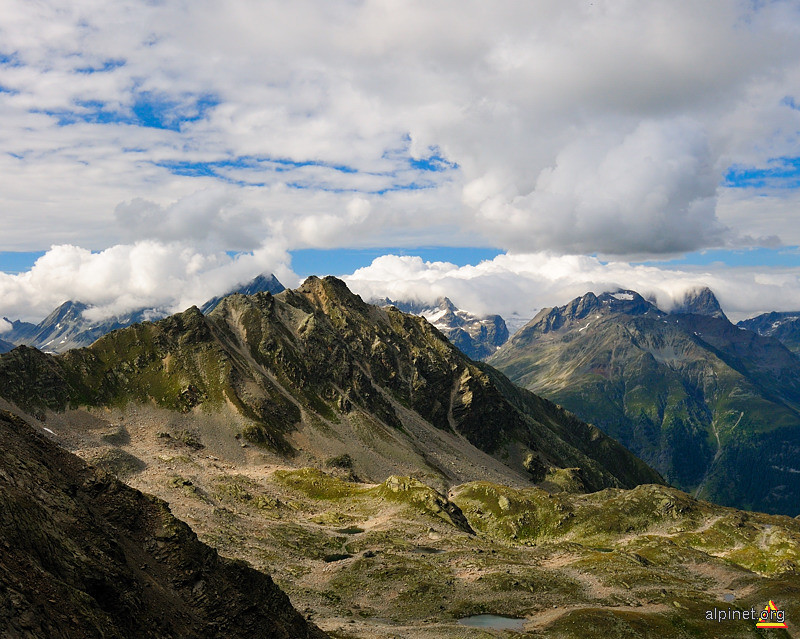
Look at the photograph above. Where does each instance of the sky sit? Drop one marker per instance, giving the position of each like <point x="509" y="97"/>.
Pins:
<point x="154" y="153"/>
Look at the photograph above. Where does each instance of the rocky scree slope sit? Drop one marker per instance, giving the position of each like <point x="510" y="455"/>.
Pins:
<point x="316" y="371"/>
<point x="84" y="555"/>
<point x="714" y="408"/>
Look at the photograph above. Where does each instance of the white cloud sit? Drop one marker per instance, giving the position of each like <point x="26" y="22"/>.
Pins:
<point x="522" y="284"/>
<point x="603" y="127"/>
<point x="171" y="276"/>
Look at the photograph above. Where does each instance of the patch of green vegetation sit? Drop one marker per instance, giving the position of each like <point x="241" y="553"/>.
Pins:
<point x="187" y="486"/>
<point x="519" y="515"/>
<point x="422" y="498"/>
<point x="332" y="518"/>
<point x="305" y="542"/>
<point x="234" y="487"/>
<point x="316" y="484"/>
<point x="399" y="586"/>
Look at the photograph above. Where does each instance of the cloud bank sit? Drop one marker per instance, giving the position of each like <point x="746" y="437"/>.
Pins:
<point x="607" y="127"/>
<point x="147" y="141"/>
<point x="522" y="284"/>
<point x="124" y="278"/>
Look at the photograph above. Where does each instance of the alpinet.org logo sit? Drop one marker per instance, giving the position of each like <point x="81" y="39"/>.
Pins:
<point x="771" y="617"/>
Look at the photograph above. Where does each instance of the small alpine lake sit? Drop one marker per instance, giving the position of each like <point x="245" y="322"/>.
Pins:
<point x="495" y="622"/>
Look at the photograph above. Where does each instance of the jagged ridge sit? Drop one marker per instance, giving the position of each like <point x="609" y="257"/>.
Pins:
<point x="320" y="358"/>
<point x="711" y="406"/>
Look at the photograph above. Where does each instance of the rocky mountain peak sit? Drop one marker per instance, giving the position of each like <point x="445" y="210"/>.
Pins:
<point x="621" y="301"/>
<point x="699" y="301"/>
<point x="259" y="284"/>
<point x="446" y="305"/>
<point x="328" y="292"/>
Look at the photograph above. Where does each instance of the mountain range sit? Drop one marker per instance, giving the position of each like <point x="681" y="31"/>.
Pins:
<point x="68" y="327"/>
<point x="713" y="407"/>
<point x="391" y="485"/>
<point x="316" y="372"/>
<point x="477" y="337"/>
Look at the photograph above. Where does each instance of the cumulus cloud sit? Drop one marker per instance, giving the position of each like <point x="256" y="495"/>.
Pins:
<point x="652" y="190"/>
<point x="522" y="284"/>
<point x="123" y="278"/>
<point x="604" y="127"/>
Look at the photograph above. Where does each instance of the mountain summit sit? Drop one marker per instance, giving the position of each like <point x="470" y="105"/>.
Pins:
<point x="699" y="301"/>
<point x="477" y="337"/>
<point x="67" y="326"/>
<point x="784" y="327"/>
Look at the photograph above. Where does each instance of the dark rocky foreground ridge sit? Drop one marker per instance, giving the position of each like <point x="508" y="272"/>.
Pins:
<point x="83" y="555"/>
<point x="317" y="372"/>
<point x="714" y="408"/>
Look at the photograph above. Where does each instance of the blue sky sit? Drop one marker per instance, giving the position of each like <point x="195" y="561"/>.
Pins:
<point x="181" y="148"/>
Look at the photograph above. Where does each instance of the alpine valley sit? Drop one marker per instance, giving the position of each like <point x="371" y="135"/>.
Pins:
<point x="390" y="485"/>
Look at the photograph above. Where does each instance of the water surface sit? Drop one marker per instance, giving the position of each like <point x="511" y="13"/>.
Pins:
<point x="495" y="622"/>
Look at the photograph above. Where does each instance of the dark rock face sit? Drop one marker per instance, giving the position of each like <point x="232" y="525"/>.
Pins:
<point x="259" y="284"/>
<point x="693" y="395"/>
<point x="5" y="346"/>
<point x="699" y="301"/>
<point x="317" y="350"/>
<point x="83" y="555"/>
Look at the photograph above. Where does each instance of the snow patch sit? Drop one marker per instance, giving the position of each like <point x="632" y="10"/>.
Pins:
<point x="626" y="297"/>
<point x="434" y="317"/>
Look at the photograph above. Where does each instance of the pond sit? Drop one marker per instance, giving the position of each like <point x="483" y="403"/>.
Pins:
<point x="495" y="622"/>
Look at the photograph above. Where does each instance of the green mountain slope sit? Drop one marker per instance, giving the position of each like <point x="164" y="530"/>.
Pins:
<point x="316" y="372"/>
<point x="86" y="556"/>
<point x="714" y="408"/>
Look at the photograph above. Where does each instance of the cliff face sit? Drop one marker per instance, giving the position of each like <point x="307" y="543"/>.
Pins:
<point x="83" y="555"/>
